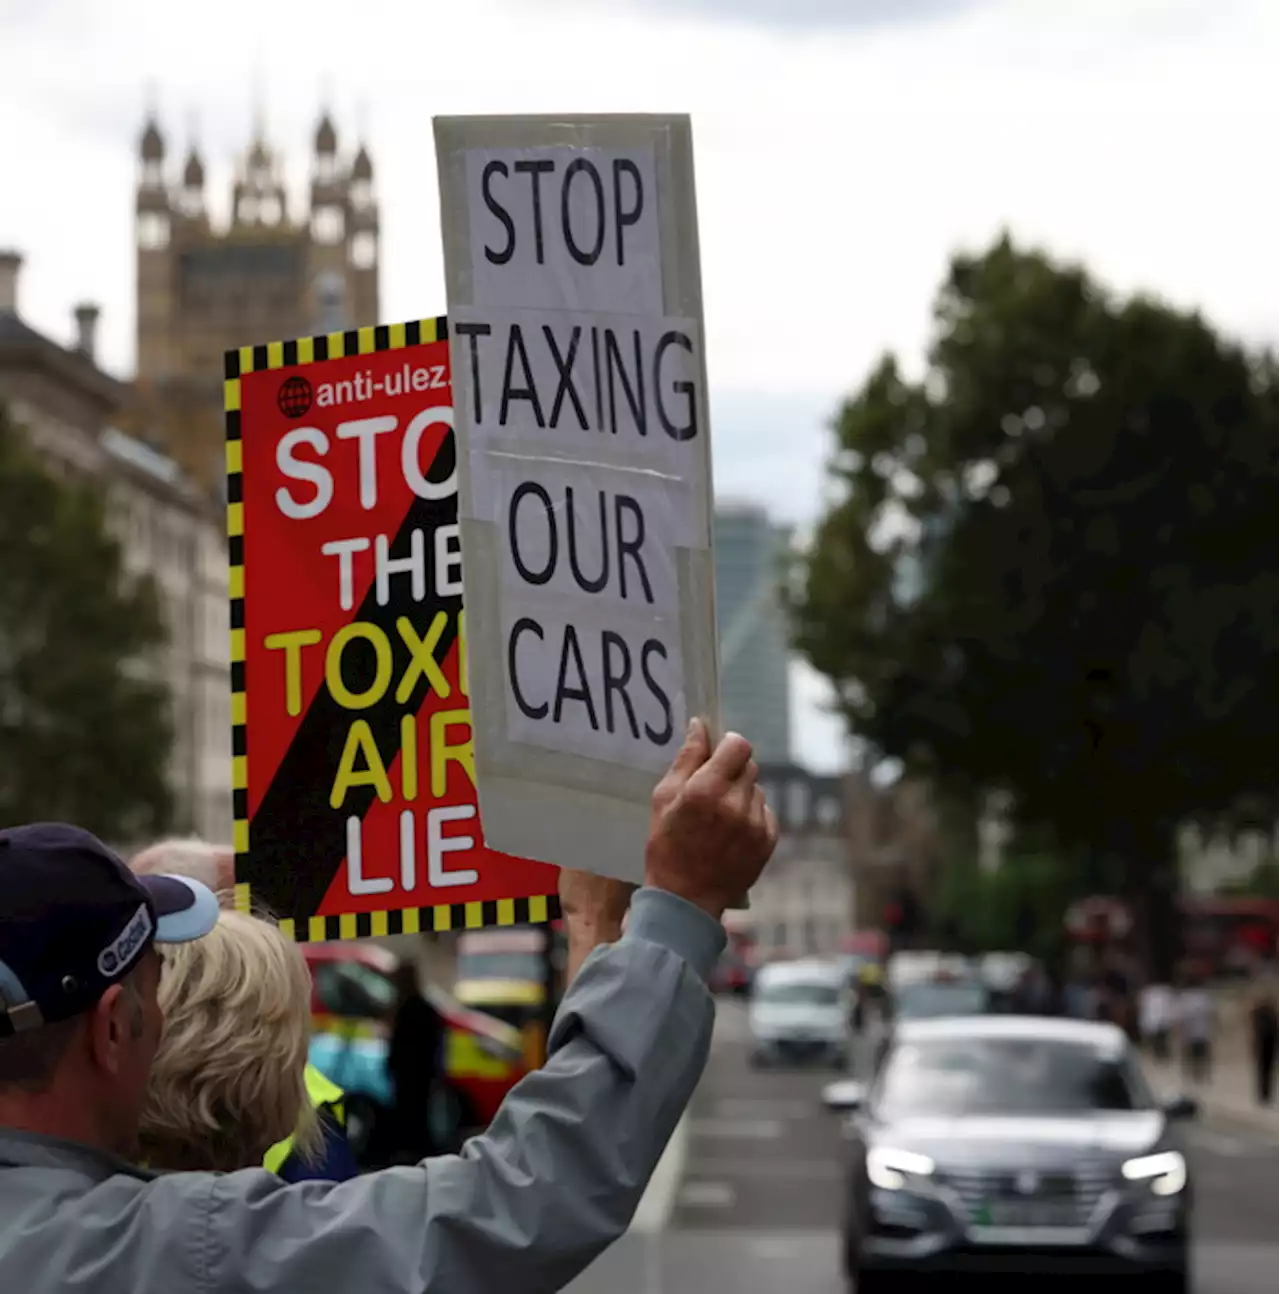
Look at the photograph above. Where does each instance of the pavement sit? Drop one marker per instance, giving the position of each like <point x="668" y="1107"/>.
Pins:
<point x="749" y="1197"/>
<point x="1228" y="1097"/>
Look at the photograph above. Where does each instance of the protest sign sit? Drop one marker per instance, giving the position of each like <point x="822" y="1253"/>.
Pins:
<point x="355" y="804"/>
<point x="584" y="473"/>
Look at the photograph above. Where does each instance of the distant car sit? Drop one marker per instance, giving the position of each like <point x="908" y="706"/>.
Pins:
<point x="1016" y="1144"/>
<point x="1003" y="972"/>
<point x="915" y="964"/>
<point x="873" y="944"/>
<point x="503" y="973"/>
<point x="799" y="1011"/>
<point x="931" y="999"/>
<point x="943" y="996"/>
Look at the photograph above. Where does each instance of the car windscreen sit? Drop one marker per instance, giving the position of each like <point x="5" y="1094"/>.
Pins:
<point x="799" y="993"/>
<point x="519" y="966"/>
<point x="928" y="1001"/>
<point x="1006" y="1076"/>
<point x="347" y="988"/>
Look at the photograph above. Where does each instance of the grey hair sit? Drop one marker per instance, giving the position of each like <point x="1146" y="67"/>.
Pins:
<point x="187" y="856"/>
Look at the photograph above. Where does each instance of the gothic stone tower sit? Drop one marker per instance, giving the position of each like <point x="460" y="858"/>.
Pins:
<point x="203" y="289"/>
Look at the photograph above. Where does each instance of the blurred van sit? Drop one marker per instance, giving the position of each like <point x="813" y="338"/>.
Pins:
<point x="799" y="1012"/>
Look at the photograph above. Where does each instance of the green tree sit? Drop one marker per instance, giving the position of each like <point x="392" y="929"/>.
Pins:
<point x="84" y="730"/>
<point x="1051" y="565"/>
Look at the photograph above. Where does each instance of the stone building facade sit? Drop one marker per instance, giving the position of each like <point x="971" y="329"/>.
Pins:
<point x="893" y="847"/>
<point x="271" y="272"/>
<point x="803" y="903"/>
<point x="168" y="528"/>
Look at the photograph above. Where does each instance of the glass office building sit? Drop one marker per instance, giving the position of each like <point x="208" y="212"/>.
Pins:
<point x="754" y="640"/>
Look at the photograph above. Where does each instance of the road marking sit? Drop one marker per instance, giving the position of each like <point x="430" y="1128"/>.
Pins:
<point x="738" y="1129"/>
<point x="737" y="1107"/>
<point x="1219" y="1143"/>
<point x="655" y="1205"/>
<point x="780" y="1248"/>
<point x="707" y="1195"/>
<point x="768" y="1166"/>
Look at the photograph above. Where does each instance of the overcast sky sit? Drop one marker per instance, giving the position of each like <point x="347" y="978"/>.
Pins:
<point x="844" y="148"/>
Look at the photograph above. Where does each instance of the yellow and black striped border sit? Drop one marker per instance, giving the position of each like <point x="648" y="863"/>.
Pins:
<point x="350" y="925"/>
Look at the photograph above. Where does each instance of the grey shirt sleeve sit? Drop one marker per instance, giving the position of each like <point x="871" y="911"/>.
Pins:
<point x="554" y="1180"/>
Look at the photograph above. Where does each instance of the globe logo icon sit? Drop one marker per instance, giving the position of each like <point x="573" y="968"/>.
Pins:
<point x="294" y="397"/>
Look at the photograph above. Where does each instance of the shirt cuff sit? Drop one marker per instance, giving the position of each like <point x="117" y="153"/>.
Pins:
<point x="659" y="917"/>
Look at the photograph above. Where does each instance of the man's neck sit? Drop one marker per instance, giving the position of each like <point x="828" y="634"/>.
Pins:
<point x="48" y="1115"/>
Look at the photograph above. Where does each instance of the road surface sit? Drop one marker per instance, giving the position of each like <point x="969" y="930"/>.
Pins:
<point x="758" y="1204"/>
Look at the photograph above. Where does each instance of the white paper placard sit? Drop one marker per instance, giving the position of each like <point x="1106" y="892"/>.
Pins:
<point x="584" y="471"/>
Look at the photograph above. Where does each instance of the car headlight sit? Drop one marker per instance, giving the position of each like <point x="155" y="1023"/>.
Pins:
<point x="890" y="1169"/>
<point x="1166" y="1172"/>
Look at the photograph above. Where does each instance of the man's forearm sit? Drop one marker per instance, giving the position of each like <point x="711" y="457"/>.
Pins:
<point x="584" y="939"/>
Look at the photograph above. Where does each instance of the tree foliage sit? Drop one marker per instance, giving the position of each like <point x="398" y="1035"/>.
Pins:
<point x="1051" y="562"/>
<point x="84" y="723"/>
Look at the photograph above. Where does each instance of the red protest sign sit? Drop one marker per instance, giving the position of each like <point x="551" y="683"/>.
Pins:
<point x="355" y="801"/>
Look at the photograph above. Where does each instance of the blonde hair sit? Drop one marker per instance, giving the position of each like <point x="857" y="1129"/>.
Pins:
<point x="227" y="1083"/>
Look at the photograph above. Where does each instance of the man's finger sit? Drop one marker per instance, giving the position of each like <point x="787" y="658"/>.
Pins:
<point x="740" y="795"/>
<point x="693" y="754"/>
<point x="759" y="810"/>
<point x="771" y="825"/>
<point x="730" y="758"/>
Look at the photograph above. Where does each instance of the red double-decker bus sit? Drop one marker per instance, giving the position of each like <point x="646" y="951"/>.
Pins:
<point x="1222" y="934"/>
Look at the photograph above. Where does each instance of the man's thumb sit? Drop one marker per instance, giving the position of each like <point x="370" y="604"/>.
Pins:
<point x="694" y="753"/>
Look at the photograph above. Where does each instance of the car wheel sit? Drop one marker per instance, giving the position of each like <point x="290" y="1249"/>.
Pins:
<point x="866" y="1281"/>
<point x="1174" y="1282"/>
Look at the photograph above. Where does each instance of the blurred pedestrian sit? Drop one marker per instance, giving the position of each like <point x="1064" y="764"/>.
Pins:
<point x="329" y="1157"/>
<point x="1034" y="995"/>
<point x="554" y="1180"/>
<point x="869" y="995"/>
<point x="1157" y="1013"/>
<point x="1078" y="998"/>
<point x="1263" y="1031"/>
<point x="414" y="1061"/>
<point x="1117" y="990"/>
<point x="1196" y="1019"/>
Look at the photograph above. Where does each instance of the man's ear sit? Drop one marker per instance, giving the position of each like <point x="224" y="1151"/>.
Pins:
<point x="110" y="1028"/>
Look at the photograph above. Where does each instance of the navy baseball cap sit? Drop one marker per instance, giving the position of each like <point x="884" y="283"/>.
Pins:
<point x="74" y="920"/>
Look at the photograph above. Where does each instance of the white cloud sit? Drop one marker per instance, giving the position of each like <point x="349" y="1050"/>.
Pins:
<point x="836" y="169"/>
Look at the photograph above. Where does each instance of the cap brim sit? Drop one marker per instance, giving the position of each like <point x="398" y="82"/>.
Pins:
<point x="185" y="909"/>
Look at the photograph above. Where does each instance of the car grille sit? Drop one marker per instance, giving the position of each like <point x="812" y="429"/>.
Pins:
<point x="803" y="1046"/>
<point x="1039" y="1198"/>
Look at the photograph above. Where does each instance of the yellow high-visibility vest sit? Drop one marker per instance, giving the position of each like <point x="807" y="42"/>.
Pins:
<point x="324" y="1095"/>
